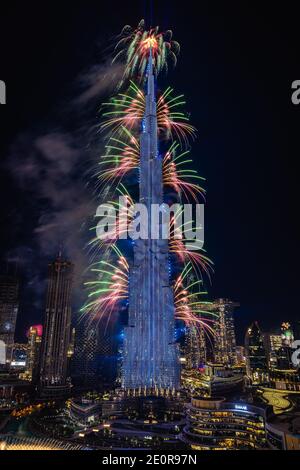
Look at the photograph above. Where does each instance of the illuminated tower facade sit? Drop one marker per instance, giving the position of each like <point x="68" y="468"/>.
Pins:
<point x="57" y="329"/>
<point x="151" y="361"/>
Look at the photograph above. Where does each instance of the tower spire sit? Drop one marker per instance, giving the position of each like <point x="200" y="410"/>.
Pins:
<point x="150" y="62"/>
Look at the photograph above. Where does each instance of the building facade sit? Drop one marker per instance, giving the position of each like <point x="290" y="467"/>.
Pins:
<point x="57" y="329"/>
<point x="273" y="344"/>
<point x="213" y="424"/>
<point x="9" y="304"/>
<point x="34" y="350"/>
<point x="256" y="355"/>
<point x="224" y="340"/>
<point x="194" y="348"/>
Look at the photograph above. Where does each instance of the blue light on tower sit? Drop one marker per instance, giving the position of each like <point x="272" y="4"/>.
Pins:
<point x="151" y="356"/>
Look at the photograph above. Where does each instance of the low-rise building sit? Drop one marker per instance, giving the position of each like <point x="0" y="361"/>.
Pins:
<point x="214" y="424"/>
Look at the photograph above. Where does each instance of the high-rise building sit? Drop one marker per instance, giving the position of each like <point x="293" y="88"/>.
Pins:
<point x="57" y="329"/>
<point x="284" y="358"/>
<point x="279" y="348"/>
<point x="224" y="340"/>
<point x="273" y="343"/>
<point x="94" y="365"/>
<point x="256" y="355"/>
<point x="151" y="356"/>
<point x="84" y="361"/>
<point x="33" y="357"/>
<point x="194" y="348"/>
<point x="9" y="303"/>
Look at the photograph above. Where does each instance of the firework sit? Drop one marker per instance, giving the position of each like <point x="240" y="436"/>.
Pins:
<point x="127" y="111"/>
<point x="109" y="290"/>
<point x="96" y="246"/>
<point x="121" y="157"/>
<point x="124" y="110"/>
<point x="171" y="120"/>
<point x="134" y="46"/>
<point x="186" y="250"/>
<point x="177" y="176"/>
<point x="188" y="307"/>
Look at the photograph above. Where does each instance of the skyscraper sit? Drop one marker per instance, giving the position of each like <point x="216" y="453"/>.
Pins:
<point x="194" y="348"/>
<point x="256" y="354"/>
<point x="84" y="362"/>
<point x="57" y="329"/>
<point x="224" y="340"/>
<point x="150" y="353"/>
<point x="34" y="349"/>
<point x="274" y="344"/>
<point x="9" y="304"/>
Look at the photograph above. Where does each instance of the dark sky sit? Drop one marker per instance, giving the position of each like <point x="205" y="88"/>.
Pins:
<point x="236" y="68"/>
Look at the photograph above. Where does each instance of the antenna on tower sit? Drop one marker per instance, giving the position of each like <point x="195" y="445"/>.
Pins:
<point x="60" y="250"/>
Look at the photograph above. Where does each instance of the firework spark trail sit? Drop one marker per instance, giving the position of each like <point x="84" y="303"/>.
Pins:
<point x="127" y="110"/>
<point x="186" y="250"/>
<point x="111" y="288"/>
<point x="187" y="305"/>
<point x="175" y="174"/>
<point x="96" y="245"/>
<point x="122" y="157"/>
<point x="133" y="48"/>
<point x="171" y="120"/>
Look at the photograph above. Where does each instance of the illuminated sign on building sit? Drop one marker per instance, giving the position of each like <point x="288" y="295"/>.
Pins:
<point x="241" y="407"/>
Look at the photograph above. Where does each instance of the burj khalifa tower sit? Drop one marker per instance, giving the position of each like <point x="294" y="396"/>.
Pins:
<point x="151" y="358"/>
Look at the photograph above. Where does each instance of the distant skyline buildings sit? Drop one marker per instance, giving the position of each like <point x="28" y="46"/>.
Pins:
<point x="57" y="329"/>
<point x="93" y="349"/>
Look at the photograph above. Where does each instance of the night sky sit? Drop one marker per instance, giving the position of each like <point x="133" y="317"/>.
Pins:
<point x="235" y="68"/>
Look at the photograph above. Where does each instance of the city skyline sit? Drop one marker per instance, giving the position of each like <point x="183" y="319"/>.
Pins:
<point x="235" y="253"/>
<point x="148" y="260"/>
